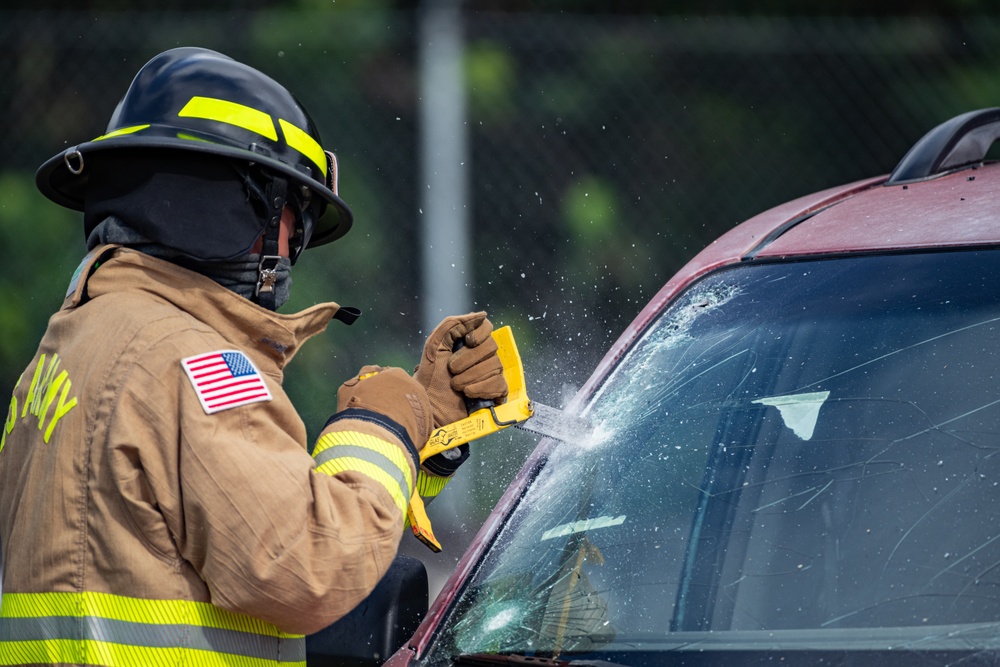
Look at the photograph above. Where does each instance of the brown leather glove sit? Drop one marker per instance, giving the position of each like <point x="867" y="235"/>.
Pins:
<point x="390" y="392"/>
<point x="473" y="371"/>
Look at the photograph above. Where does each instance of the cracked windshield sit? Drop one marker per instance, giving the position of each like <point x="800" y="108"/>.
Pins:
<point x="795" y="456"/>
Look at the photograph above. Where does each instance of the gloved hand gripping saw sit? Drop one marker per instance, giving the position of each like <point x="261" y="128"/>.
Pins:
<point x="484" y="418"/>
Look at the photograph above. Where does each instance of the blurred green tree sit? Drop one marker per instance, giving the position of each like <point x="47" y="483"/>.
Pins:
<point x="43" y="245"/>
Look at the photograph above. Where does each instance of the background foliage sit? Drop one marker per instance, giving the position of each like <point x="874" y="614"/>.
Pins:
<point x="609" y="143"/>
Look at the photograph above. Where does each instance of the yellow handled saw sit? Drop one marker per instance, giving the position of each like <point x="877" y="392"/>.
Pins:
<point x="486" y="418"/>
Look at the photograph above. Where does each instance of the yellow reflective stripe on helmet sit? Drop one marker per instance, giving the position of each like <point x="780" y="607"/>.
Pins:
<point x="248" y="118"/>
<point x="231" y="113"/>
<point x="300" y="140"/>
<point x="122" y="130"/>
<point x="384" y="462"/>
<point x="191" y="137"/>
<point x="98" y="628"/>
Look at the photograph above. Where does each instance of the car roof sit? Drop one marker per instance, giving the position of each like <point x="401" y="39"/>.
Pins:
<point x="941" y="195"/>
<point x="957" y="209"/>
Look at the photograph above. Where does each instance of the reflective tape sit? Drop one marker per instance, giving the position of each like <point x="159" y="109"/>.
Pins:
<point x="429" y="486"/>
<point x="384" y="462"/>
<point x="299" y="139"/>
<point x="247" y="118"/>
<point x="231" y="113"/>
<point x="97" y="628"/>
<point x="122" y="130"/>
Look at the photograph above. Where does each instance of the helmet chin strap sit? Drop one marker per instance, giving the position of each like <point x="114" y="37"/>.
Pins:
<point x="276" y="195"/>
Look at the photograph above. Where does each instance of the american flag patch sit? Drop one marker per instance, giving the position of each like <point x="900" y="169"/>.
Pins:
<point x="225" y="379"/>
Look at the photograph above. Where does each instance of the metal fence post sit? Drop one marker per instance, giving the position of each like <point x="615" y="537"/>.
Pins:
<point x="445" y="243"/>
<point x="443" y="180"/>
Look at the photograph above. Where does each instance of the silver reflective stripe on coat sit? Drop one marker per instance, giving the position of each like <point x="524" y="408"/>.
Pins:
<point x="99" y="628"/>
<point x="216" y="640"/>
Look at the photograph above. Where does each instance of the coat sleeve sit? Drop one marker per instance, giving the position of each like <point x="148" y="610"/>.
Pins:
<point x="271" y="533"/>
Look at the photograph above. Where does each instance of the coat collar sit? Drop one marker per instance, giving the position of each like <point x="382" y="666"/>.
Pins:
<point x="272" y="339"/>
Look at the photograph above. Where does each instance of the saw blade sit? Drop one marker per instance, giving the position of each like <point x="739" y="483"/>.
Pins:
<point x="554" y="423"/>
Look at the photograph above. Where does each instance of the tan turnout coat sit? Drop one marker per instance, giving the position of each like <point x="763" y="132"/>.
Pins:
<point x="114" y="479"/>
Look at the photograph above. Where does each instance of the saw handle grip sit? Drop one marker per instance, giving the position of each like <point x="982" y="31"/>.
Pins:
<point x="477" y="404"/>
<point x="472" y="404"/>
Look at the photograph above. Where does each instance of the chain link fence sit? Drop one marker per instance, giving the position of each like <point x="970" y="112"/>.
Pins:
<point x="605" y="151"/>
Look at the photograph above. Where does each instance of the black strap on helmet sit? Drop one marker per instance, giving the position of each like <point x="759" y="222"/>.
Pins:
<point x="275" y="196"/>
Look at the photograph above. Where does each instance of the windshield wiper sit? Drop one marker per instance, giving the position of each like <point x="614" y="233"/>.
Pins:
<point x="518" y="660"/>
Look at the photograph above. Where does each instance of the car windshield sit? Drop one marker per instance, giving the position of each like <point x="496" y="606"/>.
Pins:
<point x="796" y="458"/>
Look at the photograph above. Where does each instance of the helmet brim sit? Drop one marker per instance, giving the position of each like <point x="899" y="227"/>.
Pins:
<point x="68" y="188"/>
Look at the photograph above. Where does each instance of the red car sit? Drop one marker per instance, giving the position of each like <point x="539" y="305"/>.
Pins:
<point x="797" y="459"/>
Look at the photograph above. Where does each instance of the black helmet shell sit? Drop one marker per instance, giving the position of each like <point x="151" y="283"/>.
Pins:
<point x="198" y="100"/>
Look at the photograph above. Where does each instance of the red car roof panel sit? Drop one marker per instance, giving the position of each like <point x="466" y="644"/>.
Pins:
<point x="962" y="208"/>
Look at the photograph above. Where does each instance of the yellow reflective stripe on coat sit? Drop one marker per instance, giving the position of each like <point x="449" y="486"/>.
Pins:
<point x="428" y="486"/>
<point x="384" y="462"/>
<point x="103" y="629"/>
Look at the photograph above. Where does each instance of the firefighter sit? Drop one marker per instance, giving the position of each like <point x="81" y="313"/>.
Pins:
<point x="158" y="505"/>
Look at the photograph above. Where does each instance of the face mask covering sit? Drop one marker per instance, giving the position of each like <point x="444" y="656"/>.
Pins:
<point x="238" y="274"/>
<point x="200" y="208"/>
